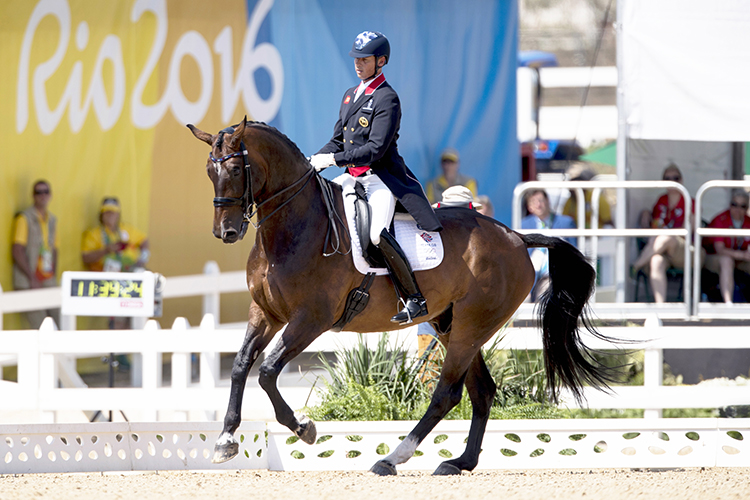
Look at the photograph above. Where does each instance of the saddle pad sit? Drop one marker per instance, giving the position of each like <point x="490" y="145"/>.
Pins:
<point x="424" y="249"/>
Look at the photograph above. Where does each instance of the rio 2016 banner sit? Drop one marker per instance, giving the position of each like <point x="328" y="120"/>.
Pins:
<point x="95" y="98"/>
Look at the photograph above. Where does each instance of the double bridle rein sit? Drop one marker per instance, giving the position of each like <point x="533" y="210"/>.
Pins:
<point x="246" y="201"/>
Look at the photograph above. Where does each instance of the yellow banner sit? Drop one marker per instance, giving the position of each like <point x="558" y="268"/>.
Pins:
<point x="95" y="98"/>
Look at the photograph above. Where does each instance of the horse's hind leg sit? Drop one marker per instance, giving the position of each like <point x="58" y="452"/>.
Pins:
<point x="447" y="394"/>
<point x="481" y="389"/>
<point x="257" y="337"/>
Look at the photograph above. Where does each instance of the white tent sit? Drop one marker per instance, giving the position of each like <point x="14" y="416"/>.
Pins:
<point x="683" y="95"/>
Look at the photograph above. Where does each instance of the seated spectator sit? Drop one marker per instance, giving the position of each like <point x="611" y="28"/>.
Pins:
<point x="725" y="254"/>
<point x="450" y="163"/>
<point x="664" y="251"/>
<point x="541" y="217"/>
<point x="114" y="246"/>
<point x="571" y="206"/>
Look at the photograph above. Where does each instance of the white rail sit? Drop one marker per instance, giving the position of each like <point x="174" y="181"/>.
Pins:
<point x="37" y="387"/>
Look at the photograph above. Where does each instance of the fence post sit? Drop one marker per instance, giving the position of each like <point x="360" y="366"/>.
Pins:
<point x="653" y="366"/>
<point x="180" y="368"/>
<point x="47" y="372"/>
<point x="211" y="300"/>
<point x="151" y="372"/>
<point x="209" y="363"/>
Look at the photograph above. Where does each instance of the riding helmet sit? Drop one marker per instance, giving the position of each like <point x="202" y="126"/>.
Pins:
<point x="371" y="43"/>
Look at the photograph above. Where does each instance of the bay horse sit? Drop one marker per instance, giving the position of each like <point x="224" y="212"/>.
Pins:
<point x="485" y="275"/>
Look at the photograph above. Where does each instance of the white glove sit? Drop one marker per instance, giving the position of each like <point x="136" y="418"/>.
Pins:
<point x="322" y="161"/>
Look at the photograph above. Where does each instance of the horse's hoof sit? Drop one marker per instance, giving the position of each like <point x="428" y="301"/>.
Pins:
<point x="226" y="448"/>
<point x="446" y="469"/>
<point x="383" y="468"/>
<point x="307" y="432"/>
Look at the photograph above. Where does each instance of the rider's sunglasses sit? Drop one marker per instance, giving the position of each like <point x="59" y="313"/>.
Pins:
<point x="676" y="178"/>
<point x="41" y="191"/>
<point x="740" y="205"/>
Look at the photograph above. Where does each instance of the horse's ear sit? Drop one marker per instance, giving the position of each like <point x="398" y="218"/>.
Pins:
<point x="236" y="137"/>
<point x="203" y="136"/>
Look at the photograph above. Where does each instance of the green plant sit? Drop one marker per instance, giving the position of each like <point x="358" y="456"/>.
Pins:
<point x="372" y="384"/>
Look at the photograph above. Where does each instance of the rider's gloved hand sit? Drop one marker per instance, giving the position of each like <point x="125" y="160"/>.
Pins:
<point x="322" y="161"/>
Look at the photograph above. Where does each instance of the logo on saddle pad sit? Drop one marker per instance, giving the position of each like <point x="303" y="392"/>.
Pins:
<point x="426" y="237"/>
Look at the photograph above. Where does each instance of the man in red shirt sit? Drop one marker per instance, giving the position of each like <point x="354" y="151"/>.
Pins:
<point x="725" y="253"/>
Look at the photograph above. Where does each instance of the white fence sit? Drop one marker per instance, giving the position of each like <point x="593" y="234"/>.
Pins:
<point x="39" y="354"/>
<point x="507" y="444"/>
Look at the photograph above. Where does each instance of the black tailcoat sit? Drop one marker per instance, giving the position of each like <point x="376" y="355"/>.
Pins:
<point x="366" y="134"/>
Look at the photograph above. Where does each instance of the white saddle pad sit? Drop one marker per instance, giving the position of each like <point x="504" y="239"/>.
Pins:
<point x="424" y="249"/>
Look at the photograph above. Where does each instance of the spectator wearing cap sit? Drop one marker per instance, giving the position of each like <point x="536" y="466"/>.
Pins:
<point x="571" y="206"/>
<point x="450" y="164"/>
<point x="114" y="246"/>
<point x="35" y="250"/>
<point x="458" y="196"/>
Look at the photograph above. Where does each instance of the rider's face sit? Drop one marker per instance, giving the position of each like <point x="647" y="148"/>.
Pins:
<point x="365" y="67"/>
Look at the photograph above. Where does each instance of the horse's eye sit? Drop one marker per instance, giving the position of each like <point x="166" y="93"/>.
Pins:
<point x="236" y="171"/>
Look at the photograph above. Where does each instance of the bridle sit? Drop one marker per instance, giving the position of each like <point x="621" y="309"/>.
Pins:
<point x="246" y="201"/>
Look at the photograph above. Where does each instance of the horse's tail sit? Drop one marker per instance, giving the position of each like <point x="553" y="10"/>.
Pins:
<point x="572" y="279"/>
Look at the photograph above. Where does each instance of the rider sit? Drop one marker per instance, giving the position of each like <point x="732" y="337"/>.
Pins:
<point x="364" y="141"/>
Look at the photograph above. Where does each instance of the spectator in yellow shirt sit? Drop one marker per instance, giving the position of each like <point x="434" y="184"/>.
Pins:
<point x="35" y="250"/>
<point x="114" y="246"/>
<point x="449" y="163"/>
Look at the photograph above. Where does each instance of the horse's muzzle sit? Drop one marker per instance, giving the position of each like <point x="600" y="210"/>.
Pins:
<point x="228" y="234"/>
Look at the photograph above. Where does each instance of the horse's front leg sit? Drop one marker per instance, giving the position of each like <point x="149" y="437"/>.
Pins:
<point x="297" y="336"/>
<point x="259" y="334"/>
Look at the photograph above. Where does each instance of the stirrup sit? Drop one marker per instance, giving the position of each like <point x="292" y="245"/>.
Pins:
<point x="414" y="307"/>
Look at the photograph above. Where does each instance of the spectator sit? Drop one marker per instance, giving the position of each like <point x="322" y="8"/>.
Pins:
<point x="485" y="205"/>
<point x="450" y="163"/>
<point x="541" y="217"/>
<point x="725" y="253"/>
<point x="571" y="206"/>
<point x="664" y="251"/>
<point x="35" y="250"/>
<point x="113" y="246"/>
<point x="458" y="196"/>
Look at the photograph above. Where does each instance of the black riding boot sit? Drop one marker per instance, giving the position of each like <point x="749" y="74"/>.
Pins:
<point x="400" y="270"/>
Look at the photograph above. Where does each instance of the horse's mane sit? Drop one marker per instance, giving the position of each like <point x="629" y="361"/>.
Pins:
<point x="276" y="132"/>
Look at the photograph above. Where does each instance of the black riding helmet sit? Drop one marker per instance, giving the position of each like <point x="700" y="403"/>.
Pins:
<point x="371" y="43"/>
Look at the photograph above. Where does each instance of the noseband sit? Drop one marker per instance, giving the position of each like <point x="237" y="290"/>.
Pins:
<point x="247" y="200"/>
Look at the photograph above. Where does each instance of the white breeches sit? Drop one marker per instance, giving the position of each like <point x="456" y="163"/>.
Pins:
<point x="382" y="204"/>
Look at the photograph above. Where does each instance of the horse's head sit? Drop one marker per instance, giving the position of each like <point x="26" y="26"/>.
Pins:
<point x="228" y="168"/>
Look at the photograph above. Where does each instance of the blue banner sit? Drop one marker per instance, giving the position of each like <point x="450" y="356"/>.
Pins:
<point x="452" y="63"/>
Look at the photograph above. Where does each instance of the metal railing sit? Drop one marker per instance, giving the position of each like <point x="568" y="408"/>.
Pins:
<point x="703" y="309"/>
<point x="620" y="309"/>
